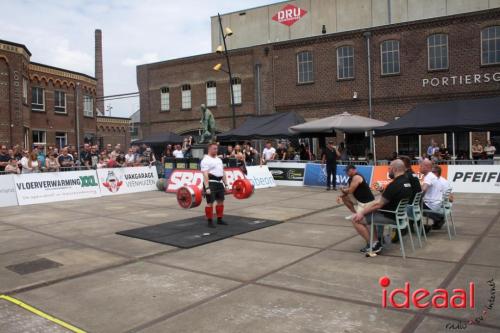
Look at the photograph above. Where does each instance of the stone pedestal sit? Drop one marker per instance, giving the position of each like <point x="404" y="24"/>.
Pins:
<point x="198" y="150"/>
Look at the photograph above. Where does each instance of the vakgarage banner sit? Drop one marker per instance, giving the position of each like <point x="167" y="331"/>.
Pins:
<point x="33" y="188"/>
<point x="381" y="174"/>
<point x="289" y="174"/>
<point x="127" y="180"/>
<point x="185" y="177"/>
<point x="260" y="176"/>
<point x="8" y="195"/>
<point x="315" y="174"/>
<point x="474" y="178"/>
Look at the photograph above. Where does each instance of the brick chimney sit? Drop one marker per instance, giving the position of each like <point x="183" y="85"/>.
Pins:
<point x="98" y="72"/>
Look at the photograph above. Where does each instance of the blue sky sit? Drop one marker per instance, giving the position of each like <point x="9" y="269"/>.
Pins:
<point x="61" y="33"/>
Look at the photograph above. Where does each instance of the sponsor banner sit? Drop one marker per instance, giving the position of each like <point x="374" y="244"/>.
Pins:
<point x="260" y="176"/>
<point x="7" y="191"/>
<point x="290" y="174"/>
<point x="381" y="174"/>
<point x="474" y="178"/>
<point x="315" y="174"/>
<point x="183" y="177"/>
<point x="289" y="14"/>
<point x="127" y="180"/>
<point x="33" y="188"/>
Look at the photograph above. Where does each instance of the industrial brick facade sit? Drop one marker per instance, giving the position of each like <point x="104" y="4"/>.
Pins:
<point x="269" y="77"/>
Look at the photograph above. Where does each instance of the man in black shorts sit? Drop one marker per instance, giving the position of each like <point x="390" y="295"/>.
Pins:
<point x="397" y="190"/>
<point x="214" y="183"/>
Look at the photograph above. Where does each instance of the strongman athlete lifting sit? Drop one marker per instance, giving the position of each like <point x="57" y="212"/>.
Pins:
<point x="214" y="184"/>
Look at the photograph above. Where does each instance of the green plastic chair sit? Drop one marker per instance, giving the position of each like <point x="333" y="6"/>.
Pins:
<point x="401" y="222"/>
<point x="445" y="212"/>
<point x="415" y="215"/>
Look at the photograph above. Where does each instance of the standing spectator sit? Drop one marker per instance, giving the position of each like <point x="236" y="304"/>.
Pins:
<point x="186" y="147"/>
<point x="329" y="158"/>
<point x="281" y="152"/>
<point x="85" y="156"/>
<point x="12" y="167"/>
<point x="65" y="160"/>
<point x="4" y="157"/>
<point x="291" y="153"/>
<point x="40" y="155"/>
<point x="490" y="150"/>
<point x="166" y="154"/>
<point x="94" y="156"/>
<point x="30" y="163"/>
<point x="51" y="163"/>
<point x="268" y="153"/>
<point x="103" y="161"/>
<point x="76" y="161"/>
<point x="148" y="157"/>
<point x="343" y="152"/>
<point x="178" y="152"/>
<point x="18" y="152"/>
<point x="230" y="152"/>
<point x="477" y="150"/>
<point x="237" y="150"/>
<point x="130" y="157"/>
<point x="431" y="150"/>
<point x="117" y="151"/>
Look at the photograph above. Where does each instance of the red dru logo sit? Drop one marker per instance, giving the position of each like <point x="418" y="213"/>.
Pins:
<point x="289" y="14"/>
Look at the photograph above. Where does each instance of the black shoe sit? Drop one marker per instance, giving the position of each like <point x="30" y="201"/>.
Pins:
<point x="210" y="224"/>
<point x="221" y="222"/>
<point x="437" y="225"/>
<point x="365" y="249"/>
<point x="334" y="188"/>
<point x="377" y="248"/>
<point x="328" y="189"/>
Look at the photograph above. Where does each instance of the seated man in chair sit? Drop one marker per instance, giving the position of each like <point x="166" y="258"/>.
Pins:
<point x="432" y="195"/>
<point x="357" y="195"/>
<point x="397" y="190"/>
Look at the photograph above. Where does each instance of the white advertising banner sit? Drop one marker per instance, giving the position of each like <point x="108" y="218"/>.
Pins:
<point x="127" y="180"/>
<point x="474" y="178"/>
<point x="36" y="188"/>
<point x="260" y="176"/>
<point x="8" y="195"/>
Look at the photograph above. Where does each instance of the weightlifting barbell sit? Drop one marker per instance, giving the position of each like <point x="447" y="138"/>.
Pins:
<point x="191" y="196"/>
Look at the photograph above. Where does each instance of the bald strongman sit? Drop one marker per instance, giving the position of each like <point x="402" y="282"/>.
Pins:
<point x="215" y="184"/>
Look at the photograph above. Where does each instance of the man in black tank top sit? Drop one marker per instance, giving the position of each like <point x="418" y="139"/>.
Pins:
<point x="357" y="188"/>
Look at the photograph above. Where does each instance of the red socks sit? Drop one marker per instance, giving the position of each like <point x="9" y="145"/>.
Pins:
<point x="209" y="212"/>
<point x="219" y="210"/>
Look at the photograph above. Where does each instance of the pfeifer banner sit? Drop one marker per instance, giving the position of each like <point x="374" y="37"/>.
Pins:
<point x="127" y="180"/>
<point x="474" y="178"/>
<point x="381" y="178"/>
<point x="315" y="174"/>
<point x="34" y="188"/>
<point x="260" y="176"/>
<point x="8" y="195"/>
<point x="185" y="177"/>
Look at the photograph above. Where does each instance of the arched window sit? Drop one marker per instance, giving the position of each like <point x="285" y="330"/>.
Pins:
<point x="437" y="50"/>
<point x="305" y="67"/>
<point x="490" y="45"/>
<point x="236" y="82"/>
<point x="186" y="96"/>
<point x="211" y="93"/>
<point x="164" y="99"/>
<point x="345" y="62"/>
<point x="389" y="52"/>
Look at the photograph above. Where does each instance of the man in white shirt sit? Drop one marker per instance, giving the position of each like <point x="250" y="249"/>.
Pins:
<point x="268" y="153"/>
<point x="432" y="193"/>
<point x="178" y="153"/>
<point x="443" y="182"/>
<point x="214" y="183"/>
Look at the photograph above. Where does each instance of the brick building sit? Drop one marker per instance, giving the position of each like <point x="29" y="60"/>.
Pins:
<point x="39" y="104"/>
<point x="438" y="59"/>
<point x="113" y="130"/>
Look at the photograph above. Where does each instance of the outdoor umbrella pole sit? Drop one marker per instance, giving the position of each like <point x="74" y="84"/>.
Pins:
<point x="374" y="149"/>
<point x="453" y="143"/>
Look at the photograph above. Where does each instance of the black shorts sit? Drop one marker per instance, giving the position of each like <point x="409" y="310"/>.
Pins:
<point x="217" y="192"/>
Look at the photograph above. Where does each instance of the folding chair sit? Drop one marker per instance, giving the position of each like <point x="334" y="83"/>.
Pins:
<point x="400" y="222"/>
<point x="415" y="215"/>
<point x="445" y="212"/>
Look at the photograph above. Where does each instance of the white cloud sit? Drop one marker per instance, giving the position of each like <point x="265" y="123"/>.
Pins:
<point x="61" y="33"/>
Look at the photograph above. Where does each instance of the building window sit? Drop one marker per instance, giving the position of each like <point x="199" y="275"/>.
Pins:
<point x="186" y="96"/>
<point x="211" y="93"/>
<point x="37" y="99"/>
<point x="59" y="101"/>
<point x="345" y="62"/>
<point x="25" y="91"/>
<point x="490" y="46"/>
<point x="61" y="139"/>
<point x="236" y="82"/>
<point x="389" y="51"/>
<point x="305" y="67"/>
<point x="88" y="106"/>
<point x="165" y="99"/>
<point x="408" y="145"/>
<point x="437" y="46"/>
<point x="39" y="138"/>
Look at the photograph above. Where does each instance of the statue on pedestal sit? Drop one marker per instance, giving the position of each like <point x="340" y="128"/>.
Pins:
<point x="207" y="125"/>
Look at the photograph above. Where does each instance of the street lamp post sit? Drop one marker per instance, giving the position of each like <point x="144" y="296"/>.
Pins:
<point x="218" y="67"/>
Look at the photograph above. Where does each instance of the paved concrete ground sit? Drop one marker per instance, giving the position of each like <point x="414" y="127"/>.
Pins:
<point x="305" y="275"/>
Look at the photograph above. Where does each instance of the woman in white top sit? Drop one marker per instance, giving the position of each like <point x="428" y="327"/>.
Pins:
<point x="490" y="150"/>
<point x="30" y="163"/>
